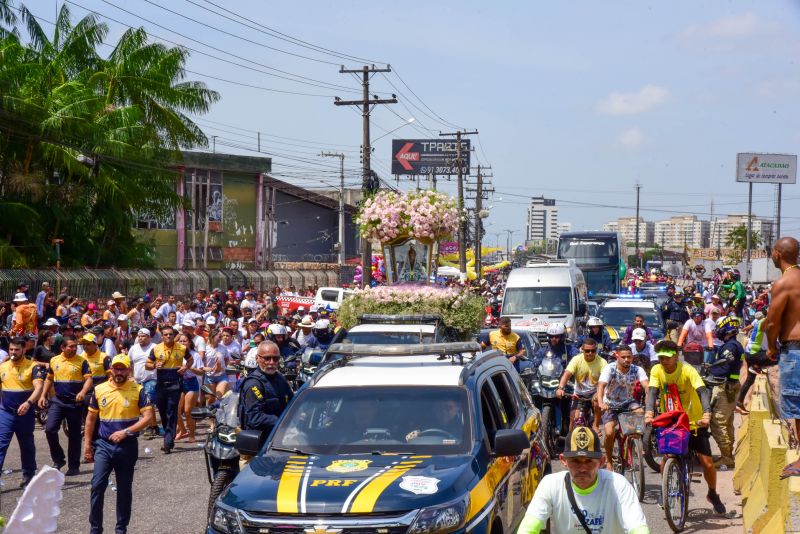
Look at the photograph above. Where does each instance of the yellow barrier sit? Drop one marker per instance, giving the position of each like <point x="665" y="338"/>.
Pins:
<point x="764" y="492"/>
<point x="748" y="444"/>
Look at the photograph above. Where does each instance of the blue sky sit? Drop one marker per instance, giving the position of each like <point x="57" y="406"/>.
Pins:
<point x="574" y="100"/>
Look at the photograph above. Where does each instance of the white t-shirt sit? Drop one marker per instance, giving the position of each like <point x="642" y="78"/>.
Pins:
<point x="199" y="344"/>
<point x="138" y="356"/>
<point x="234" y="349"/>
<point x="696" y="332"/>
<point x="3" y="355"/>
<point x="216" y="355"/>
<point x="197" y="363"/>
<point x="610" y="508"/>
<point x="619" y="387"/>
<point x="648" y="350"/>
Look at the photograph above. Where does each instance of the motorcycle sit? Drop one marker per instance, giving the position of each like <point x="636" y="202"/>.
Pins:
<point x="222" y="458"/>
<point x="542" y="383"/>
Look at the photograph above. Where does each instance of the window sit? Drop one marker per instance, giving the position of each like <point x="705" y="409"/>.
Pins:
<point x="508" y="401"/>
<point x="330" y="295"/>
<point x="530" y="300"/>
<point x="204" y="188"/>
<point x="492" y="420"/>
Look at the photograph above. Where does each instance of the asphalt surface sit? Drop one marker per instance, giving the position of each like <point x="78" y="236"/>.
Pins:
<point x="171" y="493"/>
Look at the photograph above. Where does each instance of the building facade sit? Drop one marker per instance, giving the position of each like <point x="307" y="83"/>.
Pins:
<point x="626" y="227"/>
<point x="720" y="228"/>
<point x="240" y="217"/>
<point x="680" y="231"/>
<point x="542" y="220"/>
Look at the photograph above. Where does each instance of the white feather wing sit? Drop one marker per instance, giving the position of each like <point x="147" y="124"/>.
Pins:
<point x="38" y="508"/>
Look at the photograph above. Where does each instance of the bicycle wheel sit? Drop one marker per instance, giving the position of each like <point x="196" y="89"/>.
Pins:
<point x="649" y="449"/>
<point x="634" y="465"/>
<point x="617" y="458"/>
<point x="673" y="494"/>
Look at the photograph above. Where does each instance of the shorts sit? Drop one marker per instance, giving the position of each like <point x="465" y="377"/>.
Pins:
<point x="216" y="379"/>
<point x="789" y="373"/>
<point x="149" y="387"/>
<point x="612" y="414"/>
<point x="575" y="404"/>
<point x="700" y="443"/>
<point x="190" y="385"/>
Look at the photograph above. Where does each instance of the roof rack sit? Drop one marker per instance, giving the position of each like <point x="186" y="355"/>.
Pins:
<point x="350" y="352"/>
<point x="550" y="263"/>
<point x="376" y="318"/>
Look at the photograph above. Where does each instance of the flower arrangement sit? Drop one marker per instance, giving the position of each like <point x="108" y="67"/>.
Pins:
<point x="460" y="309"/>
<point x="388" y="215"/>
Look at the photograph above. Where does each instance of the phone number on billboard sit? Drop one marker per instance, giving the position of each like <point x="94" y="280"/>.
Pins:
<point x="445" y="169"/>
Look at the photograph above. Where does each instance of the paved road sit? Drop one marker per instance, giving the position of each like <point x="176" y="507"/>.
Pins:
<point x="170" y="494"/>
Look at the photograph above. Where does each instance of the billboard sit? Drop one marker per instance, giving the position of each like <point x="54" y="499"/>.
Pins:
<point x="429" y="156"/>
<point x="766" y="168"/>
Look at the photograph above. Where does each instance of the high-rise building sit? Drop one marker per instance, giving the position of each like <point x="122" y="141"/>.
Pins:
<point x="564" y="227"/>
<point x="682" y="230"/>
<point x="721" y="227"/>
<point x="542" y="220"/>
<point x="626" y="227"/>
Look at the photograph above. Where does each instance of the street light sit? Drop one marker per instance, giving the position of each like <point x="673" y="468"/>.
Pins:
<point x="409" y="121"/>
<point x="508" y="242"/>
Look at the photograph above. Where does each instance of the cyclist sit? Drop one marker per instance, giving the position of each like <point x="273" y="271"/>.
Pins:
<point x="643" y="352"/>
<point x="696" y="400"/>
<point x="695" y="330"/>
<point x="605" y="500"/>
<point x="557" y="345"/>
<point x="597" y="331"/>
<point x="723" y="397"/>
<point x="615" y="393"/>
<point x="638" y="323"/>
<point x="586" y="368"/>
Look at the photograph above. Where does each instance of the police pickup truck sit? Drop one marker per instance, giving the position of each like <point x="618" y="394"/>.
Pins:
<point x="391" y="439"/>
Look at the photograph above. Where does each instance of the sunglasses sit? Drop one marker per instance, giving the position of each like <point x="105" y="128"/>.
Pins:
<point x="167" y="335"/>
<point x="270" y="358"/>
<point x="589" y="351"/>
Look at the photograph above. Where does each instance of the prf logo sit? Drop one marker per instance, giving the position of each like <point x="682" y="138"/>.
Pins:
<point x="753" y="165"/>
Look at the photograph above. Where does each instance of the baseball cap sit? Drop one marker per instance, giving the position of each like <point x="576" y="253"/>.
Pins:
<point x="666" y="353"/>
<point x="188" y="322"/>
<point x="211" y="320"/>
<point x="89" y="338"/>
<point x="639" y="333"/>
<point x="121" y="359"/>
<point x="51" y="322"/>
<point x="111" y="303"/>
<point x="582" y="442"/>
<point x="97" y="330"/>
<point x="20" y="297"/>
<point x="117" y="295"/>
<point x="252" y="320"/>
<point x="122" y="317"/>
<point x="144" y="331"/>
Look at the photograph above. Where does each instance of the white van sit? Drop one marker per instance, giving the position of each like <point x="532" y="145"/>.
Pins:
<point x="546" y="292"/>
<point x="331" y="297"/>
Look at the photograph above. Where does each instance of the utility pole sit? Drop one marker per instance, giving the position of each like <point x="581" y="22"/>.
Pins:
<point x="462" y="245"/>
<point x="638" y="188"/>
<point x="341" y="202"/>
<point x="366" y="178"/>
<point x="481" y="193"/>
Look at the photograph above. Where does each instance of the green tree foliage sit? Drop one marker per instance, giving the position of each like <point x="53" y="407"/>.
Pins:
<point x="737" y="240"/>
<point x="88" y="141"/>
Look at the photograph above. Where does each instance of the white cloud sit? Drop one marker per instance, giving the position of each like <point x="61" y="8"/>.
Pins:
<point x="728" y="27"/>
<point x="632" y="138"/>
<point x="647" y="98"/>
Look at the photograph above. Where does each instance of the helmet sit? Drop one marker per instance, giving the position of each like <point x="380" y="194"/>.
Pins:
<point x="671" y="286"/>
<point x="728" y="325"/>
<point x="736" y="274"/>
<point x="556" y="329"/>
<point x="688" y="291"/>
<point x="594" y="321"/>
<point x="697" y="312"/>
<point x="276" y="329"/>
<point x="250" y="360"/>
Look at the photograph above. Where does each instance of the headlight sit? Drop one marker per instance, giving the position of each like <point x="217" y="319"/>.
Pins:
<point x="441" y="519"/>
<point x="226" y="520"/>
<point x="226" y="434"/>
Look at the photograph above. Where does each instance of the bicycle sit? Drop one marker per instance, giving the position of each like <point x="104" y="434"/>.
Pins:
<point x="627" y="457"/>
<point x="676" y="480"/>
<point x="585" y="409"/>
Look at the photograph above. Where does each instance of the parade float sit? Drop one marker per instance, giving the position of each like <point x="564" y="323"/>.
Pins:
<point x="409" y="227"/>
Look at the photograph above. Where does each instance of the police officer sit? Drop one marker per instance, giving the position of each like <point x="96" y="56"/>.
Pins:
<point x="557" y="344"/>
<point x="99" y="361"/>
<point x="675" y="315"/>
<point x="597" y="331"/>
<point x="119" y="409"/>
<point x="263" y="394"/>
<point x="726" y="369"/>
<point x="71" y="379"/>
<point x="21" y="382"/>
<point x="168" y="359"/>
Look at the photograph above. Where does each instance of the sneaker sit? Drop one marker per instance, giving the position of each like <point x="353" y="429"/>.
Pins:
<point x="166" y="450"/>
<point x="73" y="472"/>
<point x="713" y="498"/>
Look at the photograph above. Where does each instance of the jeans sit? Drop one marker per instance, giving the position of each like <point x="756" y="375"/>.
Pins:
<point x="121" y="458"/>
<point x="168" y="396"/>
<point x="56" y="413"/>
<point x="10" y="424"/>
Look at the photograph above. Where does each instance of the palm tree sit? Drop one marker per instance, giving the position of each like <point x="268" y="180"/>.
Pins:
<point x="88" y="141"/>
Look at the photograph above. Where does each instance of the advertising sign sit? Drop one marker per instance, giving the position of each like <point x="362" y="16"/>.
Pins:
<point x="766" y="168"/>
<point x="429" y="156"/>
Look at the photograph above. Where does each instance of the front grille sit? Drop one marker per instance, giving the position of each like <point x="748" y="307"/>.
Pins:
<point x="378" y="523"/>
<point x="263" y="529"/>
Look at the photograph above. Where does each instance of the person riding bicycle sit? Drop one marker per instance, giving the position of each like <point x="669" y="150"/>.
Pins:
<point x="644" y="355"/>
<point x="638" y="323"/>
<point x="695" y="330"/>
<point x="615" y="391"/>
<point x="675" y="315"/>
<point x="605" y="499"/>
<point x="506" y="341"/>
<point x="586" y="368"/>
<point x="596" y="330"/>
<point x="723" y="397"/>
<point x="695" y="397"/>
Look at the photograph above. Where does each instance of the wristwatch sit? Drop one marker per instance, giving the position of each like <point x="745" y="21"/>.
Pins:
<point x="129" y="433"/>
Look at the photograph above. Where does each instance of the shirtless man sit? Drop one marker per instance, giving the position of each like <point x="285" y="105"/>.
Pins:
<point x="783" y="324"/>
